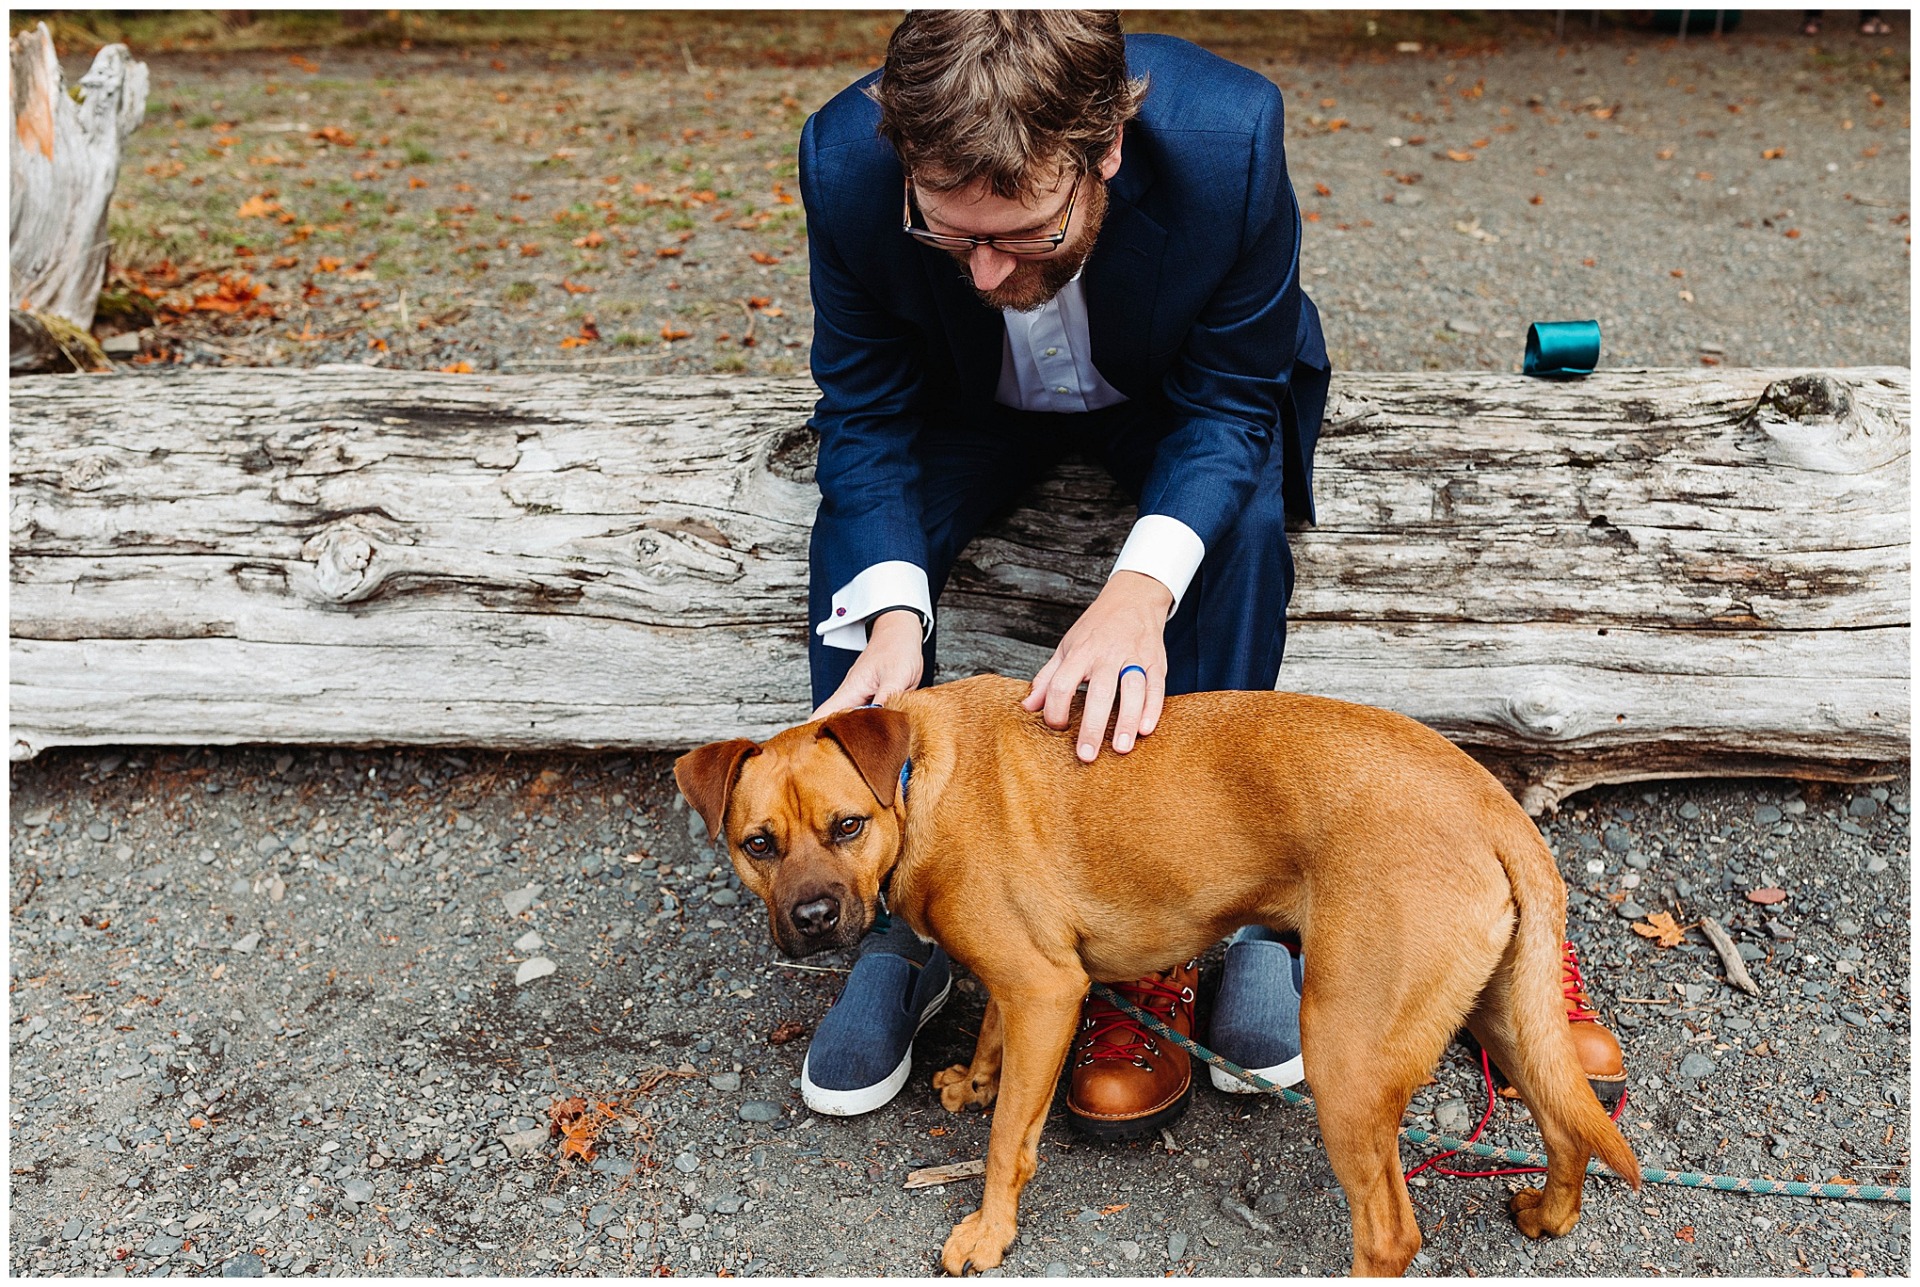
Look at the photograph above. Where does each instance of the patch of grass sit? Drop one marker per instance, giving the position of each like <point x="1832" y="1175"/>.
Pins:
<point x="729" y="364"/>
<point x="631" y="340"/>
<point x="519" y="292"/>
<point x="199" y="121"/>
<point x="418" y="155"/>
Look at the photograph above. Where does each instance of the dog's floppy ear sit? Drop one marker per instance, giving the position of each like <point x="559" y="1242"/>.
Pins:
<point x="875" y="739"/>
<point x="706" y="776"/>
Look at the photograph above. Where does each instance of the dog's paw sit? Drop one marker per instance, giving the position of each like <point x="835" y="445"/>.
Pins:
<point x="1530" y="1215"/>
<point x="958" y="1088"/>
<point x="973" y="1247"/>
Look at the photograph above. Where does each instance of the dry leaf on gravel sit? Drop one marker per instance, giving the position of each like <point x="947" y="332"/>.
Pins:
<point x="1661" y="928"/>
<point x="258" y="207"/>
<point x="791" y="1030"/>
<point x="1454" y="154"/>
<point x="762" y="257"/>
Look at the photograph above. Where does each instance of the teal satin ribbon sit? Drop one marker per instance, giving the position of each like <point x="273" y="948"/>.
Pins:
<point x="1562" y="348"/>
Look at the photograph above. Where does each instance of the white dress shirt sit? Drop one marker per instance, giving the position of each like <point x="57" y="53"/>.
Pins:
<point x="1046" y="364"/>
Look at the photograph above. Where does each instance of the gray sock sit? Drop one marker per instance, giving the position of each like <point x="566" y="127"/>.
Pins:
<point x="892" y="936"/>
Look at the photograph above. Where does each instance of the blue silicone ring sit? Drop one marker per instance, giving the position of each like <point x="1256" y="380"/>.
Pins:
<point x="1562" y="348"/>
<point x="1140" y="668"/>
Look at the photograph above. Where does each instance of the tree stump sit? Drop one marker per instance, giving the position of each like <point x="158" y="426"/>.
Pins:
<point x="66" y="160"/>
<point x="1641" y="574"/>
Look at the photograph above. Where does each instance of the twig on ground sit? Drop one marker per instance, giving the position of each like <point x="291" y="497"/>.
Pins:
<point x="928" y="1176"/>
<point x="1729" y="956"/>
<point x="814" y="969"/>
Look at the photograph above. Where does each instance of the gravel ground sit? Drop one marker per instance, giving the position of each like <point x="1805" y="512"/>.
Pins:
<point x="264" y="1006"/>
<point x="1742" y="201"/>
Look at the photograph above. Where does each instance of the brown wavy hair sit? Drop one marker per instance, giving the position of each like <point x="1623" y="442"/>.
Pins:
<point x="1010" y="97"/>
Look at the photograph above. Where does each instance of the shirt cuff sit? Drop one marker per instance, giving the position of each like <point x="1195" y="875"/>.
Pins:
<point x="1164" y="548"/>
<point x="893" y="584"/>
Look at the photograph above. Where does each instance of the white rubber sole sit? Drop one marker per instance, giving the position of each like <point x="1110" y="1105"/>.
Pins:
<point x="852" y="1103"/>
<point x="1290" y="1073"/>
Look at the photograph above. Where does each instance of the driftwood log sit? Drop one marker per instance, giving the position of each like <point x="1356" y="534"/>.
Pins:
<point x="1642" y="574"/>
<point x="66" y="160"/>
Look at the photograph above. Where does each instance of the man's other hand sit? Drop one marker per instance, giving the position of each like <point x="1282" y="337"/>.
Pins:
<point x="1125" y="626"/>
<point x="889" y="664"/>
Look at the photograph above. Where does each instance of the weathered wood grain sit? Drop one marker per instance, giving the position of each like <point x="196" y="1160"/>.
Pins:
<point x="65" y="155"/>
<point x="1640" y="574"/>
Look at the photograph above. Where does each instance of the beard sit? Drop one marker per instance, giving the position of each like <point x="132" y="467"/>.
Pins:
<point x="1036" y="281"/>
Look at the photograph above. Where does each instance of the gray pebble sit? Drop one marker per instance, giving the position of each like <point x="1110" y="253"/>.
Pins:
<point x="1618" y="841"/>
<point x="553" y="1205"/>
<point x="529" y="942"/>
<point x="686" y="1163"/>
<point x="244" y="1265"/>
<point x="1629" y="911"/>
<point x="1861" y="806"/>
<point x="246" y="944"/>
<point x="1696" y="1066"/>
<point x="724" y="897"/>
<point x="600" y="1215"/>
<point x="1176" y="1245"/>
<point x="99" y="830"/>
<point x="694" y="1221"/>
<point x="1058" y="1269"/>
<point x="1244" y="1214"/>
<point x="519" y="900"/>
<point x="38" y="818"/>
<point x="759" y="1110"/>
<point x="1689" y="811"/>
<point x="1452" y="1117"/>
<point x="728" y="1081"/>
<point x="360" y="1191"/>
<point x="73" y="1229"/>
<point x="160" y="1245"/>
<point x="1766" y="815"/>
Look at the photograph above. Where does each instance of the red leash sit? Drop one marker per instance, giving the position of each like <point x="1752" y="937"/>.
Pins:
<point x="1486" y="1071"/>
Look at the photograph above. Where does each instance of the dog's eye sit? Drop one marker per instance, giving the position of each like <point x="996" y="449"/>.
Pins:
<point x="848" y="828"/>
<point x="758" y="846"/>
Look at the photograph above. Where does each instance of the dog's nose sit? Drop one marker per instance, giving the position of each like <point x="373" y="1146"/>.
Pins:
<point x="817" y="917"/>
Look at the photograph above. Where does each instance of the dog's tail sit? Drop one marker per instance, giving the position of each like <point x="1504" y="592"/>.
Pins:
<point x="1549" y="1075"/>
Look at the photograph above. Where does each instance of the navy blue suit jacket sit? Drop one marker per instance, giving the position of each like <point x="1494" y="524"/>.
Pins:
<point x="1193" y="300"/>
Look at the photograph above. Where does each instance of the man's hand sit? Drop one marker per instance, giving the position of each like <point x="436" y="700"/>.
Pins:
<point x="889" y="664"/>
<point x="1125" y="626"/>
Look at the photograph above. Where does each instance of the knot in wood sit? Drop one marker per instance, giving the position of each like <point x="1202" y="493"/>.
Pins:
<point x="1541" y="711"/>
<point x="87" y="474"/>
<point x="1807" y="397"/>
<point x="343" y="558"/>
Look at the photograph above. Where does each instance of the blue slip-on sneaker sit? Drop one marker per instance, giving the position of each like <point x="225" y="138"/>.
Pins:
<point x="862" y="1052"/>
<point x="1256" y="1017"/>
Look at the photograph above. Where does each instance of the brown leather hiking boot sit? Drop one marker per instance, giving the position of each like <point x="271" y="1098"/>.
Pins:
<point x="1126" y="1082"/>
<point x="1600" y="1055"/>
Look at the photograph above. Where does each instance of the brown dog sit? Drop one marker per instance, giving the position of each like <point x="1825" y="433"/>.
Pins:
<point x="1423" y="895"/>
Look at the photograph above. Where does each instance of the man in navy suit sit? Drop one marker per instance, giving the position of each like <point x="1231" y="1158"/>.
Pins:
<point x="1030" y="235"/>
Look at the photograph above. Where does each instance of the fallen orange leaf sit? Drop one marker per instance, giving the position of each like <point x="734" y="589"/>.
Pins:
<point x="1322" y="189"/>
<point x="762" y="257"/>
<point x="1454" y="154"/>
<point x="592" y="239"/>
<point x="668" y="252"/>
<point x="462" y="367"/>
<point x="1773" y="153"/>
<point x="1660" y="927"/>
<point x="326" y="265"/>
<point x="1684" y="1233"/>
<point x="668" y="333"/>
<point x="575" y="288"/>
<point x="333" y="134"/>
<point x="258" y="208"/>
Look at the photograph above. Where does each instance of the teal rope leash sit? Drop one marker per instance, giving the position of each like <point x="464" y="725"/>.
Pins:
<point x="1684" y="1179"/>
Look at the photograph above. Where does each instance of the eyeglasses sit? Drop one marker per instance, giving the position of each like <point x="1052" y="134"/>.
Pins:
<point x="1007" y="245"/>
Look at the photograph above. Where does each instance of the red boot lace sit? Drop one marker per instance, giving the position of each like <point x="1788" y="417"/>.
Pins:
<point x="1106" y="1033"/>
<point x="1573" y="989"/>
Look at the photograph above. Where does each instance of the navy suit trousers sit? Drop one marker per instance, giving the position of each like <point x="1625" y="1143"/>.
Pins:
<point x="1231" y="627"/>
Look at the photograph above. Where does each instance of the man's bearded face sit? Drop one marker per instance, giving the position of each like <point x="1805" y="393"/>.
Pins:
<point x="1033" y="280"/>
